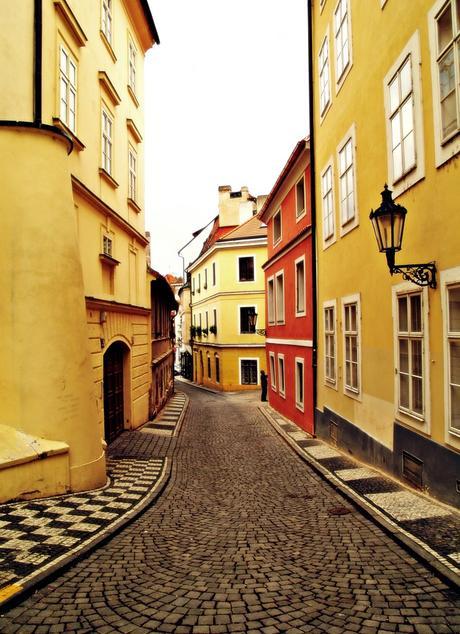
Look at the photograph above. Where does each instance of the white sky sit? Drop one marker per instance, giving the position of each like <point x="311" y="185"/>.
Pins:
<point x="226" y="102"/>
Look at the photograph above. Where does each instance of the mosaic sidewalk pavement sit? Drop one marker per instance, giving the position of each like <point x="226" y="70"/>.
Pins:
<point x="169" y="419"/>
<point x="431" y="529"/>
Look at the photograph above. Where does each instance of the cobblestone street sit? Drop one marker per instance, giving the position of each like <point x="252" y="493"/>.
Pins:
<point x="245" y="538"/>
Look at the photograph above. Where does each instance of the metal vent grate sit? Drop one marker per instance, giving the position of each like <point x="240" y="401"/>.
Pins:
<point x="333" y="432"/>
<point x="412" y="469"/>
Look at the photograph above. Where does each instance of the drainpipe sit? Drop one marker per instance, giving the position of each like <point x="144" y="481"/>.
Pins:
<point x="313" y="212"/>
<point x="38" y="60"/>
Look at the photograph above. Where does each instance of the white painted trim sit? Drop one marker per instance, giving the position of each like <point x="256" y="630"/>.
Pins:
<point x="304" y="311"/>
<point x="248" y="255"/>
<point x="326" y="39"/>
<point x="272" y="370"/>
<point x="340" y="80"/>
<point x="239" y="368"/>
<point x="332" y="303"/>
<point x="279" y="356"/>
<point x="300" y="405"/>
<point x="420" y="424"/>
<point x="302" y="343"/>
<point x="447" y="278"/>
<point x="333" y="238"/>
<point x="416" y="173"/>
<point x="345" y="301"/>
<point x="354" y="222"/>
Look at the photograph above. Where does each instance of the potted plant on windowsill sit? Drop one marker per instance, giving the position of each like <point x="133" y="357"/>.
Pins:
<point x="204" y="332"/>
<point x="213" y="330"/>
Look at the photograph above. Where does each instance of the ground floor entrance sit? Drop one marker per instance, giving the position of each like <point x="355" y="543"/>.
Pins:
<point x="114" y="391"/>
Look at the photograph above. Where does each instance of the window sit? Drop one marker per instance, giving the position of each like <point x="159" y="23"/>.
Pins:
<point x="245" y="312"/>
<point x="346" y="180"/>
<point x="107" y="245"/>
<point x="277" y="227"/>
<point x="410" y="353"/>
<point x="199" y="283"/>
<point x="281" y="382"/>
<point x="207" y="320"/>
<point x="271" y="300"/>
<point x="132" y="52"/>
<point x="327" y="204"/>
<point x="279" y="298"/>
<point x="300" y="198"/>
<point x="213" y="273"/>
<point x="248" y="371"/>
<point x="217" y="369"/>
<point x="300" y="287"/>
<point x="107" y="19"/>
<point x="299" y="383"/>
<point x="453" y="351"/>
<point x="351" y="320"/>
<point x="246" y="268"/>
<point x="132" y="166"/>
<point x="271" y="356"/>
<point x="342" y="38"/>
<point x="209" y="366"/>
<point x="205" y="279"/>
<point x="67" y="89"/>
<point x="330" y="371"/>
<point x="107" y="132"/>
<point x="324" y="77"/>
<point x="214" y="312"/>
<point x="402" y="120"/>
<point x="193" y="286"/>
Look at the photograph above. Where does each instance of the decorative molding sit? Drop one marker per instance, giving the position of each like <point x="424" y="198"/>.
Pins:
<point x="132" y="94"/>
<point x="108" y="46"/>
<point x="94" y="303"/>
<point x="109" y="88"/>
<point x="302" y="343"/>
<point x="108" y="259"/>
<point x="71" y="21"/>
<point x="134" y="130"/>
<point x="133" y="204"/>
<point x="77" y="144"/>
<point x="111" y="181"/>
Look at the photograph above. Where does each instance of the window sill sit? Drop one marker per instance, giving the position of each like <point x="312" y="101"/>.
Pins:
<point x="301" y="215"/>
<point x="133" y="204"/>
<point x="107" y="177"/>
<point x="303" y="314"/>
<point x="108" y="259"/>
<point x="132" y="94"/>
<point x="348" y="226"/>
<point x="300" y="407"/>
<point x="108" y="46"/>
<point x="78" y="145"/>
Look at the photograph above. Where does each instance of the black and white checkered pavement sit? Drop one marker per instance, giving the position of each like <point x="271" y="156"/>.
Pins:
<point x="35" y="535"/>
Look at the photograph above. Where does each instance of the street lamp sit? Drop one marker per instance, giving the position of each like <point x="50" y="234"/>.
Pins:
<point x="388" y="224"/>
<point x="252" y="320"/>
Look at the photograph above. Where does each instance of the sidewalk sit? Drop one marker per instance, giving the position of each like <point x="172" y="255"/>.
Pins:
<point x="428" y="528"/>
<point x="39" y="537"/>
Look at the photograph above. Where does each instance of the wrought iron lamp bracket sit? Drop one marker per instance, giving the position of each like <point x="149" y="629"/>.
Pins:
<point x="420" y="274"/>
<point x="261" y="331"/>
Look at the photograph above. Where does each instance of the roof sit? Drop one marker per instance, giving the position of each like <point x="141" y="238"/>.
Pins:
<point x="252" y="228"/>
<point x="149" y="19"/>
<point x="299" y="148"/>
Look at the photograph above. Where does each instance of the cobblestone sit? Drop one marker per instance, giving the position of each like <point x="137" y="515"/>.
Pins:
<point x="242" y="540"/>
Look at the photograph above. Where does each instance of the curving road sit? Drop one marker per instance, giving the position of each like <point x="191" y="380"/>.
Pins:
<point x="242" y="540"/>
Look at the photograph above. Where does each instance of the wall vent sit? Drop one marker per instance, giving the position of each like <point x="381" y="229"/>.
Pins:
<point x="412" y="469"/>
<point x="333" y="432"/>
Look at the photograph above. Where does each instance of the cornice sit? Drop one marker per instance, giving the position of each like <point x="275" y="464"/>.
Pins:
<point x="96" y="303"/>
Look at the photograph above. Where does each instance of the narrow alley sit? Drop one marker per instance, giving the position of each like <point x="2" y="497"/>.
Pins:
<point x="243" y="539"/>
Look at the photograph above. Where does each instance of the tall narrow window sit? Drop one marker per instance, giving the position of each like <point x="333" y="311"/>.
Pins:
<point x="346" y="178"/>
<point x="300" y="287"/>
<point x="209" y="365"/>
<point x="205" y="279"/>
<point x="199" y="283"/>
<point x="214" y="312"/>
<point x="107" y="133"/>
<point x="67" y="89"/>
<point x="300" y="198"/>
<point x="328" y="204"/>
<point x="279" y="298"/>
<point x="271" y="300"/>
<point x="342" y="38"/>
<point x="448" y="62"/>
<point x="277" y="227"/>
<point x="132" y="164"/>
<point x="132" y="52"/>
<point x="281" y="381"/>
<point x="329" y="344"/>
<point x="207" y="320"/>
<point x="410" y="353"/>
<point x="217" y="363"/>
<point x="107" y="246"/>
<point x="299" y="383"/>
<point x="324" y="77"/>
<point x="107" y="19"/>
<point x="351" y="343"/>
<point x="453" y="335"/>
<point x="271" y="356"/>
<point x="401" y="100"/>
<point x="213" y="273"/>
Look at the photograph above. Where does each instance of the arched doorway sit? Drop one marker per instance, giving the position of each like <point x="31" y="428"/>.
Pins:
<point x="114" y="414"/>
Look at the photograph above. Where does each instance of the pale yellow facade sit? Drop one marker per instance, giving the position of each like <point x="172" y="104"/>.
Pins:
<point x="358" y="115"/>
<point x="72" y="232"/>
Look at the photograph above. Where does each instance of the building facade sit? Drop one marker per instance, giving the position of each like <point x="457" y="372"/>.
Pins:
<point x="75" y="344"/>
<point x="227" y="287"/>
<point x="388" y="348"/>
<point x="288" y="290"/>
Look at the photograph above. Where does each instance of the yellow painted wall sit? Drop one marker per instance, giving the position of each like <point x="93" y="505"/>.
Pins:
<point x="353" y="264"/>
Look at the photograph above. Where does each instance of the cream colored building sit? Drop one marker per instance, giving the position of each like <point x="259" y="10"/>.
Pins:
<point x="72" y="240"/>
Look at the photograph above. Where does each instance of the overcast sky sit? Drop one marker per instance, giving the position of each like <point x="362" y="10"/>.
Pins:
<point x="226" y="102"/>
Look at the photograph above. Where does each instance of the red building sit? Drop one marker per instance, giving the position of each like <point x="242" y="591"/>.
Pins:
<point x="288" y="286"/>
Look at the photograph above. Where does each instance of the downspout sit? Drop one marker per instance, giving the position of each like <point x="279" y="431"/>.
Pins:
<point x="38" y="60"/>
<point x="313" y="212"/>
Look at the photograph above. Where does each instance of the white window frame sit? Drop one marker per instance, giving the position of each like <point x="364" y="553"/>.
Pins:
<point x="240" y="359"/>
<point x="348" y="301"/>
<point x="281" y="374"/>
<point x="68" y="89"/>
<point x="422" y="424"/>
<point x="107" y="140"/>
<point x="353" y="221"/>
<point x="132" y="173"/>
<point x="300" y="404"/>
<point x="300" y="313"/>
<point x="279" y="318"/>
<point x="324" y="77"/>
<point x="132" y="56"/>
<point x="240" y="306"/>
<point x="240" y="257"/>
<point x="272" y="369"/>
<point x="271" y="302"/>
<point x="450" y="146"/>
<point x="329" y="197"/>
<point x="277" y="215"/>
<point x="341" y="76"/>
<point x="107" y="245"/>
<point x="303" y="212"/>
<point x="449" y="277"/>
<point x="411" y="175"/>
<point x="330" y="304"/>
<point x="107" y="20"/>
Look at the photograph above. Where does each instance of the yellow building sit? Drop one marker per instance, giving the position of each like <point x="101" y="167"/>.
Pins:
<point x="386" y="109"/>
<point x="74" y="293"/>
<point x="227" y="287"/>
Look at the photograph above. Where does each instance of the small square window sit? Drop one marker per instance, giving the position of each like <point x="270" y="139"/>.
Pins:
<point x="246" y="269"/>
